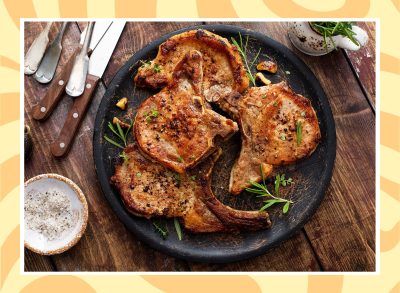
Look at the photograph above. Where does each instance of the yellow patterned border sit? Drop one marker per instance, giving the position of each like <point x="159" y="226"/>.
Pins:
<point x="10" y="13"/>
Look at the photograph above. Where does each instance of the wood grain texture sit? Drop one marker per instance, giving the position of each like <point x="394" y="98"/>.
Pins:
<point x="37" y="263"/>
<point x="340" y="236"/>
<point x="364" y="62"/>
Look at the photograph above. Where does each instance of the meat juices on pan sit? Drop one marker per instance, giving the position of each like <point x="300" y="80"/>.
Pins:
<point x="150" y="190"/>
<point x="176" y="126"/>
<point x="270" y="117"/>
<point x="224" y="76"/>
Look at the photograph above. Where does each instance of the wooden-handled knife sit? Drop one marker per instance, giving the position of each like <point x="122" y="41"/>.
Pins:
<point x="97" y="64"/>
<point x="44" y="108"/>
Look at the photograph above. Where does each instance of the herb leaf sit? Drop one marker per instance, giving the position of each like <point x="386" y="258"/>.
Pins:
<point x="178" y="228"/>
<point x="298" y="132"/>
<point x="124" y="156"/>
<point x="285" y="207"/>
<point x="119" y="133"/>
<point x="332" y="28"/>
<point x="161" y="230"/>
<point x="113" y="142"/>
<point x="261" y="189"/>
<point x="243" y="52"/>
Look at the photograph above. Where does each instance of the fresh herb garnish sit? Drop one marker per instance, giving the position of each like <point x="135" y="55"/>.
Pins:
<point x="157" y="68"/>
<point x="161" y="229"/>
<point x="261" y="190"/>
<point x="298" y="132"/>
<point x="138" y="174"/>
<point x="119" y="133"/>
<point x="124" y="156"/>
<point x="303" y="114"/>
<point x="280" y="180"/>
<point x="152" y="114"/>
<point x="178" y="228"/>
<point x="275" y="104"/>
<point x="331" y="28"/>
<point x="242" y="48"/>
<point x="193" y="178"/>
<point x="283" y="137"/>
<point x="180" y="159"/>
<point x="145" y="63"/>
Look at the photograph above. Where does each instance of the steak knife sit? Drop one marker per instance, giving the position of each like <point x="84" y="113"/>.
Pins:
<point x="97" y="64"/>
<point x="43" y="109"/>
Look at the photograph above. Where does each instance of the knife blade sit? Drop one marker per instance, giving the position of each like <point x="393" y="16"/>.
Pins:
<point x="44" y="108"/>
<point x="97" y="64"/>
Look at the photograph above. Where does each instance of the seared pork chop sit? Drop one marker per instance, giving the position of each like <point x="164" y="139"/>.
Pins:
<point x="176" y="127"/>
<point x="150" y="190"/>
<point x="224" y="74"/>
<point x="278" y="127"/>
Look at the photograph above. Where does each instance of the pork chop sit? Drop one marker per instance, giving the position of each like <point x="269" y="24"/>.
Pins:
<point x="176" y="127"/>
<point x="148" y="190"/>
<point x="224" y="74"/>
<point x="278" y="127"/>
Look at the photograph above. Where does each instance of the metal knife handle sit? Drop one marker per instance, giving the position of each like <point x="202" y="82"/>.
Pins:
<point x="36" y="51"/>
<point x="47" y="67"/>
<point x="76" y="82"/>
<point x="63" y="143"/>
<point x="43" y="109"/>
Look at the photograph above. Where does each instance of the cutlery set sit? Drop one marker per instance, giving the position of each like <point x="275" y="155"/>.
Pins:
<point x="78" y="76"/>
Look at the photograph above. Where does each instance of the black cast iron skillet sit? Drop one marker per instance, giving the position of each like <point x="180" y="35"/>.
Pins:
<point x="311" y="175"/>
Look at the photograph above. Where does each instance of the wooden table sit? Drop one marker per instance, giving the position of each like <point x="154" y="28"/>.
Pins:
<point x="339" y="237"/>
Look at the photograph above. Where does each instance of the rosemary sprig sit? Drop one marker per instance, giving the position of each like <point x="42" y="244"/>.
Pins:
<point x="243" y="52"/>
<point x="332" y="28"/>
<point x="261" y="189"/>
<point x="298" y="132"/>
<point x="119" y="133"/>
<point x="159" y="229"/>
<point x="178" y="228"/>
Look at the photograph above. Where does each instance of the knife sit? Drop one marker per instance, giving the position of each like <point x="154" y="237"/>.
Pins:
<point x="43" y="109"/>
<point x="48" y="65"/>
<point x="36" y="51"/>
<point x="97" y="64"/>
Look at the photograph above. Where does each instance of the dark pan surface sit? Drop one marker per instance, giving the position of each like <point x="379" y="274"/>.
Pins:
<point x="311" y="176"/>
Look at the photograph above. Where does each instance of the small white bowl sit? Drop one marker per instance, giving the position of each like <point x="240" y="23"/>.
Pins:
<point x="38" y="243"/>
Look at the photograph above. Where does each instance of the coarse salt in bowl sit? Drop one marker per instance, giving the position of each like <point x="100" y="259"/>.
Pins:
<point x="55" y="214"/>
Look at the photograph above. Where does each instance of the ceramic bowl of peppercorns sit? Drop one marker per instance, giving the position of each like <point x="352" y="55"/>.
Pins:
<point x="55" y="214"/>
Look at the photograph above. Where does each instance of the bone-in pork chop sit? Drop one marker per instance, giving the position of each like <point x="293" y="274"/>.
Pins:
<point x="278" y="127"/>
<point x="176" y="127"/>
<point x="224" y="74"/>
<point x="150" y="190"/>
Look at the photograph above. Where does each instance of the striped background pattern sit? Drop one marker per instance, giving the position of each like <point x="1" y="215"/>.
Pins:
<point x="388" y="11"/>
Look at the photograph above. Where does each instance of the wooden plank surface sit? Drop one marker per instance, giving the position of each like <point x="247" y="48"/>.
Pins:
<point x="340" y="236"/>
<point x="363" y="62"/>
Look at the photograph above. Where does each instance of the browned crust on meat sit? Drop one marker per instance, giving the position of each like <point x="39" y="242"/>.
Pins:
<point x="183" y="131"/>
<point x="163" y="198"/>
<point x="268" y="117"/>
<point x="220" y="81"/>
